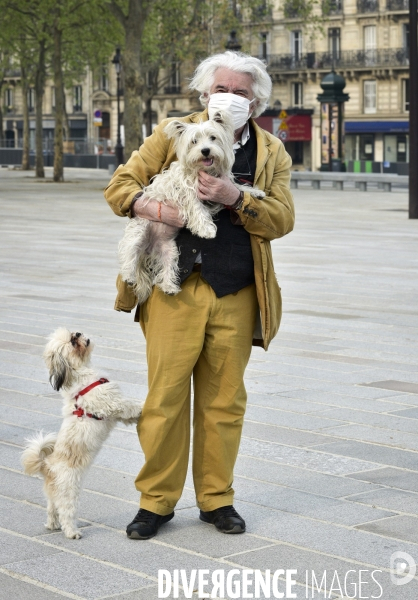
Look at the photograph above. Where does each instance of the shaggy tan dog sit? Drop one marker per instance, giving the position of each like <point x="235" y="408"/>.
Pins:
<point x="92" y="408"/>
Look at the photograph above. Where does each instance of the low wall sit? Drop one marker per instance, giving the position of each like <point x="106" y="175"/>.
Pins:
<point x="13" y="156"/>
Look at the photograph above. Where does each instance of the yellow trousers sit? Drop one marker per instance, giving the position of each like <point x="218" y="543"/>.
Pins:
<point x="194" y="333"/>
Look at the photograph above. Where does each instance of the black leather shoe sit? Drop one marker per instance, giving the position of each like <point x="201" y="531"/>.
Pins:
<point x="226" y="519"/>
<point x="146" y="524"/>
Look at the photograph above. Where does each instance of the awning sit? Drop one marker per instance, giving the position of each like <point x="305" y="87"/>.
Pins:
<point x="376" y="126"/>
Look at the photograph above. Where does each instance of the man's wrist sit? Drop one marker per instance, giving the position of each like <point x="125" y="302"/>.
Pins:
<point x="132" y="205"/>
<point x="238" y="203"/>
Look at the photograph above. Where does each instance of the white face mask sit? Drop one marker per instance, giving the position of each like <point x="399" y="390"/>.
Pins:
<point x="237" y="106"/>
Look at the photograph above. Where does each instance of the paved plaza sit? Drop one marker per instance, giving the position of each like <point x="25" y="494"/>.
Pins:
<point x="327" y="475"/>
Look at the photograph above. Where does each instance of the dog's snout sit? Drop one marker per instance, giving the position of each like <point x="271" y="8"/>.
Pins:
<point x="205" y="151"/>
<point x="78" y="334"/>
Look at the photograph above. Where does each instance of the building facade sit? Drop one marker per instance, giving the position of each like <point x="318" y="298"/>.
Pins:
<point x="365" y="41"/>
<point x="91" y="107"/>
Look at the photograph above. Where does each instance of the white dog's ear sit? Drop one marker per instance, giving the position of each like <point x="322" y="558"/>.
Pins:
<point x="223" y="118"/>
<point x="175" y="129"/>
<point x="60" y="372"/>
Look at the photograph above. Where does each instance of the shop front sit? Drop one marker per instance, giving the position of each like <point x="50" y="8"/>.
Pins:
<point x="294" y="128"/>
<point x="385" y="142"/>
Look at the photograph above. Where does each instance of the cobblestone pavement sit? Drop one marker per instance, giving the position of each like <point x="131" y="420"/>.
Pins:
<point x="327" y="476"/>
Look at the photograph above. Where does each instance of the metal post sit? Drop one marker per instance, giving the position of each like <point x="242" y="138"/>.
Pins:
<point x="413" y="111"/>
<point x="119" y="147"/>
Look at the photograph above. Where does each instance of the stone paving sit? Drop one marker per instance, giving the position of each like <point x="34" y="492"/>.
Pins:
<point x="327" y="476"/>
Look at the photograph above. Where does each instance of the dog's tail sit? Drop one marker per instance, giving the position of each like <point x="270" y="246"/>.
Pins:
<point x="36" y="451"/>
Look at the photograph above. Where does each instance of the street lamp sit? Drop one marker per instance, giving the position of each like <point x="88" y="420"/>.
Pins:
<point x="118" y="147"/>
<point x="332" y="117"/>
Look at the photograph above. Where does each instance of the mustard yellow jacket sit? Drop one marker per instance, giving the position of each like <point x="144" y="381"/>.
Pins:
<point x="265" y="220"/>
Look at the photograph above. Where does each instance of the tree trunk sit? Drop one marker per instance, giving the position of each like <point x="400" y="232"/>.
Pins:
<point x="132" y="92"/>
<point x="133" y="24"/>
<point x="59" y="106"/>
<point x="1" y="127"/>
<point x="2" y="73"/>
<point x="39" y="93"/>
<point x="25" y="108"/>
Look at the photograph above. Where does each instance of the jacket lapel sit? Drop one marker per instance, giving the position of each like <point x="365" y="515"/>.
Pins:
<point x="263" y="153"/>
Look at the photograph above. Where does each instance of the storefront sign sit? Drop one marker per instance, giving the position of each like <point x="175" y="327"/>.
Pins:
<point x="295" y="128"/>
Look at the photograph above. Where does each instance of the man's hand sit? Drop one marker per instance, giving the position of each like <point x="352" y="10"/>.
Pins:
<point x="157" y="211"/>
<point x="217" y="189"/>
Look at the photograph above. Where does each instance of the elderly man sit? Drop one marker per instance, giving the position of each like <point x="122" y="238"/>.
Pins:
<point x="229" y="301"/>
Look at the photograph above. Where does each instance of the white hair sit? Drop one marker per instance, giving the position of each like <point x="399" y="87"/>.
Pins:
<point x="241" y="63"/>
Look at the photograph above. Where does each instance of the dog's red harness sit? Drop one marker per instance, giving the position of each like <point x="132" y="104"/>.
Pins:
<point x="79" y="412"/>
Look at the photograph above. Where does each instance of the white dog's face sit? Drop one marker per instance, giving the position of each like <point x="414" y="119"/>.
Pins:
<point x="205" y="146"/>
<point x="64" y="354"/>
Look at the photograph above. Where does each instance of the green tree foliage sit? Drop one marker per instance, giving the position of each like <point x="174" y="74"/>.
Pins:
<point x="160" y="32"/>
<point x="61" y="38"/>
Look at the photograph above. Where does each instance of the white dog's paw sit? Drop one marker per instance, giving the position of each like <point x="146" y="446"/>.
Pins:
<point x="73" y="535"/>
<point x="258" y="194"/>
<point x="169" y="288"/>
<point x="131" y="420"/>
<point x="208" y="231"/>
<point x="52" y="526"/>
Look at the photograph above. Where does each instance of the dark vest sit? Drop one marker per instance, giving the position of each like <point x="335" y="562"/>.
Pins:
<point x="227" y="260"/>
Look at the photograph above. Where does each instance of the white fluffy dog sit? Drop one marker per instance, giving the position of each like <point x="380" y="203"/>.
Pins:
<point x="148" y="254"/>
<point x="92" y="407"/>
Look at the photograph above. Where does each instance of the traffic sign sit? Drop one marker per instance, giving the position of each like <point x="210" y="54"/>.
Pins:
<point x="283" y="114"/>
<point x="283" y="135"/>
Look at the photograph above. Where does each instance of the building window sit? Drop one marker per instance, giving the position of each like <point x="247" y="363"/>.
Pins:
<point x="370" y="45"/>
<point x="104" y="78"/>
<point x="263" y="49"/>
<point x="296" y="44"/>
<point x="31" y="99"/>
<point x="405" y="95"/>
<point x="405" y="36"/>
<point x="334" y="36"/>
<point x="53" y="98"/>
<point x="297" y="94"/>
<point x="366" y="146"/>
<point x="77" y="98"/>
<point x="175" y="75"/>
<point x="359" y="146"/>
<point x="369" y="94"/>
<point x="397" y="148"/>
<point x="8" y="100"/>
<point x="174" y="86"/>
<point x="295" y="150"/>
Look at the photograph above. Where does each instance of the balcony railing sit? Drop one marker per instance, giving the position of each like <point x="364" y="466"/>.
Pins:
<point x="262" y="12"/>
<point x="12" y="73"/>
<point x="332" y="7"/>
<point x="294" y="8"/>
<point x="172" y="89"/>
<point x="367" y="6"/>
<point x="397" y="5"/>
<point x="388" y="57"/>
<point x="291" y="9"/>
